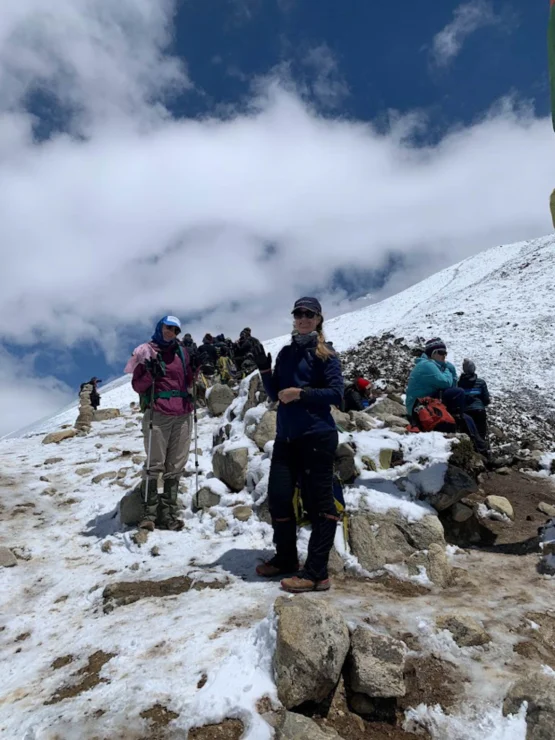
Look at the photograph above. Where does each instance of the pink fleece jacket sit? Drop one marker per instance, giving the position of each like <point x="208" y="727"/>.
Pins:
<point x="175" y="379"/>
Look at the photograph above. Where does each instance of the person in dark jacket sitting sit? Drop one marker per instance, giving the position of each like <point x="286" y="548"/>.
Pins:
<point x="307" y="380"/>
<point x="358" y="395"/>
<point x="477" y="397"/>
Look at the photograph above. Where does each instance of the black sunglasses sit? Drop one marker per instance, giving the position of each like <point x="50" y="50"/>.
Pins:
<point x="301" y="313"/>
<point x="441" y="352"/>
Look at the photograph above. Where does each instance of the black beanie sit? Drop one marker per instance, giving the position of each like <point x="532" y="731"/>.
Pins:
<point x="434" y="344"/>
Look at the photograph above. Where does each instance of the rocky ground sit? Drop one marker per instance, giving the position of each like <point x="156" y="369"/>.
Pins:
<point x="439" y="624"/>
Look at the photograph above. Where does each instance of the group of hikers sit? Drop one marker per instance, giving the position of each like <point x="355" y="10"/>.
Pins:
<point x="305" y="381"/>
<point x="221" y="359"/>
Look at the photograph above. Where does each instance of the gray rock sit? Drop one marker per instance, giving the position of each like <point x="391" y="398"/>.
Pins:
<point x="398" y="422"/>
<point x="376" y="664"/>
<point x="108" y="475"/>
<point x="290" y="726"/>
<point x="7" y="558"/>
<point x="57" y="437"/>
<point x="219" y="399"/>
<point x="457" y="485"/>
<point x="501" y="504"/>
<point x="466" y="631"/>
<point x="106" y="414"/>
<point x="242" y="513"/>
<point x="423" y="532"/>
<point x="345" y="463"/>
<point x="265" y="430"/>
<point x="231" y="467"/>
<point x="255" y="395"/>
<point x="343" y="420"/>
<point x="538" y="690"/>
<point x="312" y="644"/>
<point x="205" y="499"/>
<point x="376" y="541"/>
<point x="262" y="510"/>
<point x="131" y="508"/>
<point x="336" y="565"/>
<point x="220" y="525"/>
<point x="461" y="513"/>
<point x="435" y="561"/>
<point x="547" y="509"/>
<point x="386" y="406"/>
<point x="52" y="460"/>
<point x="83" y="471"/>
<point x="362" y="704"/>
<point x="361" y="421"/>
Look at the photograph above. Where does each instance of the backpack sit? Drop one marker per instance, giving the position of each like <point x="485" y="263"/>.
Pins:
<point x="148" y="396"/>
<point x="429" y="412"/>
<point x="226" y="369"/>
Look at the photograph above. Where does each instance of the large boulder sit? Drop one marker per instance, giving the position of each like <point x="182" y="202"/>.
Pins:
<point x="219" y="399"/>
<point x="205" y="499"/>
<point x="435" y="562"/>
<point x="57" y="437"/>
<point x="265" y="430"/>
<point x="538" y="690"/>
<point x="131" y="508"/>
<point x="343" y="420"/>
<point x="387" y="407"/>
<point x="376" y="664"/>
<point x="362" y="422"/>
<point x="423" y="532"/>
<point x="345" y="465"/>
<point x="456" y="485"/>
<point x="312" y="644"/>
<point x="106" y="414"/>
<point x="255" y="394"/>
<point x="291" y="726"/>
<point x="376" y="541"/>
<point x="230" y="466"/>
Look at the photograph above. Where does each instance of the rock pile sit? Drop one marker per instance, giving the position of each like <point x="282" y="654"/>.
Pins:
<point x="86" y="411"/>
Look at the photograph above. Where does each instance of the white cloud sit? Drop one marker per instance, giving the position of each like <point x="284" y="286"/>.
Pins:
<point x="327" y="84"/>
<point x="24" y="398"/>
<point x="467" y="18"/>
<point x="142" y="215"/>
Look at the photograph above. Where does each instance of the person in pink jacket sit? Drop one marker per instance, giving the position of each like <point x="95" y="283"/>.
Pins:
<point x="163" y="377"/>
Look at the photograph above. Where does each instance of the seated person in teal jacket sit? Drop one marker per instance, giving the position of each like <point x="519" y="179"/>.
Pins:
<point x="431" y="374"/>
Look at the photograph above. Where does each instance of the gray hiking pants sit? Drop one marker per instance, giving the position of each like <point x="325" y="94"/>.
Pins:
<point x="171" y="440"/>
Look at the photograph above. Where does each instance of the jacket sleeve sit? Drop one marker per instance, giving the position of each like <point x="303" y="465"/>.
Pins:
<point x="332" y="394"/>
<point x="485" y="396"/>
<point x="453" y="370"/>
<point x="355" y="400"/>
<point x="442" y="379"/>
<point x="142" y="379"/>
<point x="270" y="381"/>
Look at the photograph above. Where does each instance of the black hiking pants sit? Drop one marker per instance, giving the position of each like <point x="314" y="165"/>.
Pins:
<point x="309" y="462"/>
<point x="480" y="418"/>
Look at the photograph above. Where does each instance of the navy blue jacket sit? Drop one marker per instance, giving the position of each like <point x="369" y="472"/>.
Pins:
<point x="322" y="380"/>
<point x="476" y="392"/>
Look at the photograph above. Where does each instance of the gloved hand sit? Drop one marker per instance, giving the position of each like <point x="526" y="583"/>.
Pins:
<point x="263" y="361"/>
<point x="156" y="368"/>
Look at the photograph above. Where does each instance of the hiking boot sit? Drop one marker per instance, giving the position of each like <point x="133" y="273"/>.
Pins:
<point x="176" y="525"/>
<point x="147" y="524"/>
<point x="166" y="515"/>
<point x="149" y="491"/>
<point x="301" y="584"/>
<point x="276" y="567"/>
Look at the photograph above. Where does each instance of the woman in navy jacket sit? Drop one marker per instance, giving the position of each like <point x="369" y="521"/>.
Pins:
<point x="307" y="381"/>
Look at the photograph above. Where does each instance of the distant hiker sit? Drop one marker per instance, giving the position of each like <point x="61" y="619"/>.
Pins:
<point x="307" y="381"/>
<point x="477" y="397"/>
<point x="163" y="377"/>
<point x="358" y="395"/>
<point x="189" y="343"/>
<point x="434" y="377"/>
<point x="95" y="396"/>
<point x="209" y="355"/>
<point x="227" y="371"/>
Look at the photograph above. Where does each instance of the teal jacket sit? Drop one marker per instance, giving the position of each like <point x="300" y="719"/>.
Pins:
<point x="428" y="377"/>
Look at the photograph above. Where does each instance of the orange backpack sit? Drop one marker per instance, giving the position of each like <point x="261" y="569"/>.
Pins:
<point x="430" y="412"/>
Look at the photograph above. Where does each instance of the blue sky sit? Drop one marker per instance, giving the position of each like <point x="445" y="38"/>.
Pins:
<point x="376" y="111"/>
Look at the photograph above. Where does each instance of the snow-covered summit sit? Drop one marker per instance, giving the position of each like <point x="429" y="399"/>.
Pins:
<point x="496" y="307"/>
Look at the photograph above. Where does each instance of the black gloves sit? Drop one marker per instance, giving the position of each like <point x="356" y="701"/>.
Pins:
<point x="263" y="361"/>
<point x="156" y="367"/>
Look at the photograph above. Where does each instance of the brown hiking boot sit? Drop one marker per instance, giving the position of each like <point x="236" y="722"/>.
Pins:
<point x="147" y="524"/>
<point x="300" y="585"/>
<point x="176" y="525"/>
<point x="272" y="568"/>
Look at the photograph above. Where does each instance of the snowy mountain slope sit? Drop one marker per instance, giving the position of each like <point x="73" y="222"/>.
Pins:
<point x="497" y="307"/>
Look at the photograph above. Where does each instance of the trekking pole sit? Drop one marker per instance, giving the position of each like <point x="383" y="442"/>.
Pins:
<point x="195" y="424"/>
<point x="149" y="445"/>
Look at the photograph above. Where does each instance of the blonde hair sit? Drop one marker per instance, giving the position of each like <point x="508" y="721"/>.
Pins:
<point x="323" y="351"/>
